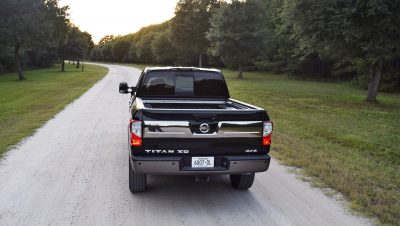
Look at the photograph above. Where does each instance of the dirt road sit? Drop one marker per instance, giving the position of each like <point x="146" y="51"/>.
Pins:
<point x="74" y="171"/>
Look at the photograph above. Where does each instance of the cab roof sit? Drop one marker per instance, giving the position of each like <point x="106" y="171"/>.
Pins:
<point x="148" y="69"/>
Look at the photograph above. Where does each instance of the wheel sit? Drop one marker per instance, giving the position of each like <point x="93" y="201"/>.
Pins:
<point x="242" y="181"/>
<point x="137" y="182"/>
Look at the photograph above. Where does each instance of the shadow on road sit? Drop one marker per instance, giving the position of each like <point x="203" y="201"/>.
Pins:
<point x="183" y="192"/>
<point x="160" y="183"/>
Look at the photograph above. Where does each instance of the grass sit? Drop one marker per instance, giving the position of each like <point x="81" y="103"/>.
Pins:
<point x="333" y="135"/>
<point x="26" y="105"/>
<point x="329" y="131"/>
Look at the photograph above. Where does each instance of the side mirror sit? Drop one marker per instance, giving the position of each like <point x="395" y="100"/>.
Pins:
<point x="124" y="88"/>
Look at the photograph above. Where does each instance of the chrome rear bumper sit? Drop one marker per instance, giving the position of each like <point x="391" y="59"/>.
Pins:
<point x="181" y="165"/>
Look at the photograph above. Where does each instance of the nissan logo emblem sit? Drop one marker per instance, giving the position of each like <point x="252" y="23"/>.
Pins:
<point x="204" y="128"/>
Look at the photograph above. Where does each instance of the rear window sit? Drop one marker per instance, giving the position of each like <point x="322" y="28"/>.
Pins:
<point x="183" y="84"/>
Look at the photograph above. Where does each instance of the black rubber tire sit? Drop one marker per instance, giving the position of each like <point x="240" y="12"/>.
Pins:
<point x="242" y="181"/>
<point x="137" y="182"/>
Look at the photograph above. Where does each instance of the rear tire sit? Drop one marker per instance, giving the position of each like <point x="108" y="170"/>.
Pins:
<point x="137" y="182"/>
<point x="242" y="181"/>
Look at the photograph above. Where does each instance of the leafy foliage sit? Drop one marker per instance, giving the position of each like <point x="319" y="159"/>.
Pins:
<point x="362" y="32"/>
<point x="162" y="48"/>
<point x="189" y="26"/>
<point x="106" y="39"/>
<point x="106" y="52"/>
<point x="76" y="47"/>
<point x="143" y="48"/>
<point x="330" y="40"/>
<point x="236" y="32"/>
<point x="120" y="50"/>
<point x="36" y="33"/>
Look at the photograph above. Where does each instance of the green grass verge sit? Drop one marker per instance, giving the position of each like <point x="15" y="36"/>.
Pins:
<point x="329" y="131"/>
<point x="26" y="105"/>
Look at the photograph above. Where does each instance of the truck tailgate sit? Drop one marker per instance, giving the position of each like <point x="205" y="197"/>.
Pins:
<point x="196" y="133"/>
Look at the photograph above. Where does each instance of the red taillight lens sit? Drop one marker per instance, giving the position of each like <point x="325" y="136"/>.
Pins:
<point x="135" y="128"/>
<point x="267" y="133"/>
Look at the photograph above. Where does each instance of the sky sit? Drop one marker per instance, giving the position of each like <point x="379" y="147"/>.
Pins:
<point x="117" y="17"/>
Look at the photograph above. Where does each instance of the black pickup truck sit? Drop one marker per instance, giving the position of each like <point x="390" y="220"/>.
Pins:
<point x="183" y="122"/>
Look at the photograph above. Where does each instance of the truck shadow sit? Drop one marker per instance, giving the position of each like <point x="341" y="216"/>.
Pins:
<point x="157" y="183"/>
<point x="183" y="193"/>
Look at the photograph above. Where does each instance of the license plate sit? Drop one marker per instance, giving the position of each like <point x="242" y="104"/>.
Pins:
<point x="202" y="162"/>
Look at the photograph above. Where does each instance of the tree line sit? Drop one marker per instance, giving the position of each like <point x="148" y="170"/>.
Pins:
<point x="38" y="33"/>
<point x="336" y="39"/>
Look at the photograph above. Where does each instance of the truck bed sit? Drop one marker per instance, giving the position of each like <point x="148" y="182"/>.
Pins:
<point x="173" y="124"/>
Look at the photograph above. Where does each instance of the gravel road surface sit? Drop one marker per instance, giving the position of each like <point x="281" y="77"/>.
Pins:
<point x="74" y="171"/>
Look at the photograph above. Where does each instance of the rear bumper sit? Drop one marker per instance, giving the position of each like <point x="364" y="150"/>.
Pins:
<point x="181" y="165"/>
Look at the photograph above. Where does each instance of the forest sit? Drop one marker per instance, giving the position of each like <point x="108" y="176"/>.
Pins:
<point x="335" y="40"/>
<point x="39" y="34"/>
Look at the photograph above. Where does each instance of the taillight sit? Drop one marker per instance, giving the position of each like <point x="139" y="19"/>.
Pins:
<point x="267" y="133"/>
<point x="135" y="128"/>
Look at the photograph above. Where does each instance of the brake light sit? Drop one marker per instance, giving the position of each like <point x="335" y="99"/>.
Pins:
<point x="267" y="133"/>
<point x="135" y="128"/>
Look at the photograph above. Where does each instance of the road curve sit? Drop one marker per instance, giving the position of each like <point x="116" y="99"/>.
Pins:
<point x="74" y="171"/>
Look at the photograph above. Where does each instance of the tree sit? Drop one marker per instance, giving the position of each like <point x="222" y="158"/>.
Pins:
<point x="83" y="44"/>
<point x="95" y="55"/>
<point x="132" y="55"/>
<point x="363" y="32"/>
<point x="277" y="49"/>
<point x="162" y="48"/>
<point x="106" y="39"/>
<point x="189" y="26"/>
<point x="120" y="50"/>
<point x="137" y="36"/>
<point x="143" y="48"/>
<point x="28" y="24"/>
<point x="106" y="52"/>
<point x="237" y="32"/>
<point x="76" y="47"/>
<point x="87" y="37"/>
<point x="61" y="29"/>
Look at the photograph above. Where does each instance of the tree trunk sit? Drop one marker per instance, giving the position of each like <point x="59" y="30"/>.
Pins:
<point x="21" y="75"/>
<point x="200" y="60"/>
<point x="240" y="75"/>
<point x="375" y="73"/>
<point x="62" y="65"/>
<point x="77" y="63"/>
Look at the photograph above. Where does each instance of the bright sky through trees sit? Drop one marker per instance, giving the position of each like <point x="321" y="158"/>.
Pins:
<point x="118" y="17"/>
